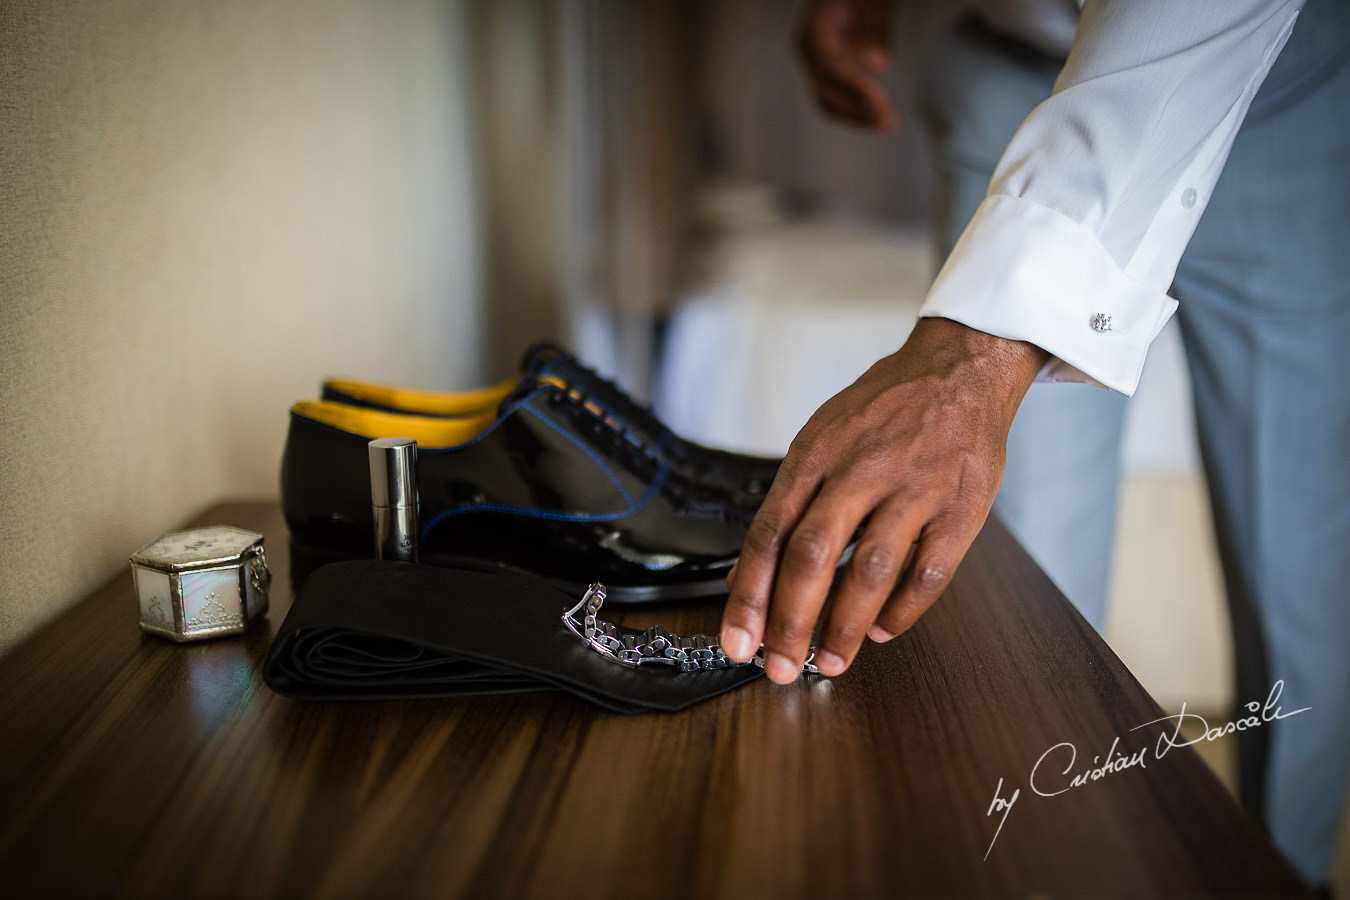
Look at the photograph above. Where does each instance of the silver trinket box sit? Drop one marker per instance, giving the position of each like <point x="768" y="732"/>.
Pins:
<point x="203" y="583"/>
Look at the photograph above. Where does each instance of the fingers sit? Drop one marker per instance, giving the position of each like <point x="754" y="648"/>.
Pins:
<point x="787" y="567"/>
<point x="867" y="582"/>
<point x="751" y="583"/>
<point x="936" y="557"/>
<point x="789" y="563"/>
<point x="790" y="560"/>
<point x="810" y="559"/>
<point x="879" y="595"/>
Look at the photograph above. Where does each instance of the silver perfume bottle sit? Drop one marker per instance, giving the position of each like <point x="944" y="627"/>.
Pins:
<point x="393" y="497"/>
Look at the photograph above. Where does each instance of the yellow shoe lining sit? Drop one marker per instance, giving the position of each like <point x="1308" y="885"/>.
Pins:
<point x="432" y="403"/>
<point x="428" y="431"/>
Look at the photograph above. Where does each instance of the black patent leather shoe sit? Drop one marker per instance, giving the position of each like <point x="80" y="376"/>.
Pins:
<point x="551" y="484"/>
<point x="720" y="469"/>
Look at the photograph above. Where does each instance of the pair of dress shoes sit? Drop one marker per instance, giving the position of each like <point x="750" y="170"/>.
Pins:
<point x="747" y="476"/>
<point x="558" y="473"/>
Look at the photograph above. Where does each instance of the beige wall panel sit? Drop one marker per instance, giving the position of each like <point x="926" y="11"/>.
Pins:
<point x="205" y="207"/>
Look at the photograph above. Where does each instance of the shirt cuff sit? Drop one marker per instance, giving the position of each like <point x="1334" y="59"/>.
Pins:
<point x="1025" y="272"/>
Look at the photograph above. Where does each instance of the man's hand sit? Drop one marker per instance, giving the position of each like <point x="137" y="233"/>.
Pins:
<point x="844" y="45"/>
<point x="914" y="451"/>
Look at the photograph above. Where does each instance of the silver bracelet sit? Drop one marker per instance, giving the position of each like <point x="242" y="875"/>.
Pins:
<point x="632" y="647"/>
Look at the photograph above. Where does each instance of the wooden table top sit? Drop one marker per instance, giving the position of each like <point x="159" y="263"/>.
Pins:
<point x="131" y="766"/>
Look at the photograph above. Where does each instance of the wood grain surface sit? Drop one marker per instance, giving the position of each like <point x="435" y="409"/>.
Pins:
<point x="131" y="766"/>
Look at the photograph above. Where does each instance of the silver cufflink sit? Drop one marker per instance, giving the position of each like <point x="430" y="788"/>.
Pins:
<point x="1101" y="322"/>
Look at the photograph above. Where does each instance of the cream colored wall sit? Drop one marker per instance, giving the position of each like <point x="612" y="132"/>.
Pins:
<point x="205" y="207"/>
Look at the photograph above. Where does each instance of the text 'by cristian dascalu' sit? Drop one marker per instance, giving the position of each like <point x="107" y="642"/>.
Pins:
<point x="1058" y="772"/>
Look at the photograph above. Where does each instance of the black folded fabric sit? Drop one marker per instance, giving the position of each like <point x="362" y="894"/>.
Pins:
<point x="369" y="629"/>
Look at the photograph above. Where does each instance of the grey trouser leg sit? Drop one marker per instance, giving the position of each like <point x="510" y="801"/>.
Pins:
<point x="1265" y="314"/>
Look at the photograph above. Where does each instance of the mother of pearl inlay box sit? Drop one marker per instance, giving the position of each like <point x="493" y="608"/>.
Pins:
<point x="204" y="583"/>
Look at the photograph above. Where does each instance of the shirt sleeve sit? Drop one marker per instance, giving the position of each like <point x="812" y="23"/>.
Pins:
<point x="1097" y="195"/>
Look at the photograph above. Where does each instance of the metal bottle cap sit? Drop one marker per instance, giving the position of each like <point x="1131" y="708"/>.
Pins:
<point x="393" y="497"/>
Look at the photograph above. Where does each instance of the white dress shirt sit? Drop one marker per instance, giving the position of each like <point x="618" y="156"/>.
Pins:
<point x="1100" y="190"/>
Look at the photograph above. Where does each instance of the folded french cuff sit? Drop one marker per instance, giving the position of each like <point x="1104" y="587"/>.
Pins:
<point x="1026" y="272"/>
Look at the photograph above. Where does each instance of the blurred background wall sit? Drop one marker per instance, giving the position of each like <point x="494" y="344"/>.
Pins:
<point x="206" y="207"/>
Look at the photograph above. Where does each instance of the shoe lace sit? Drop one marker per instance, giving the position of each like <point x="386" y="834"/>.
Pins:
<point x="550" y="359"/>
<point x="612" y="434"/>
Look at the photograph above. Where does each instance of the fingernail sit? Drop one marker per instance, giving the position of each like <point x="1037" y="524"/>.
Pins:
<point x="736" y="643"/>
<point x="829" y="663"/>
<point x="779" y="669"/>
<point x="879" y="634"/>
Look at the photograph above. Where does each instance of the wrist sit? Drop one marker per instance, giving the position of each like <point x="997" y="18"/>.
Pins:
<point x="1000" y="368"/>
<point x="1020" y="359"/>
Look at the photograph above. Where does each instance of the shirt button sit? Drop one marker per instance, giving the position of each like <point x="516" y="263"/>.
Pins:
<point x="1188" y="198"/>
<point x="1101" y="323"/>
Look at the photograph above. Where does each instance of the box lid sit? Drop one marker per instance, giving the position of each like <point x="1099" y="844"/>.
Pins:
<point x="196" y="548"/>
